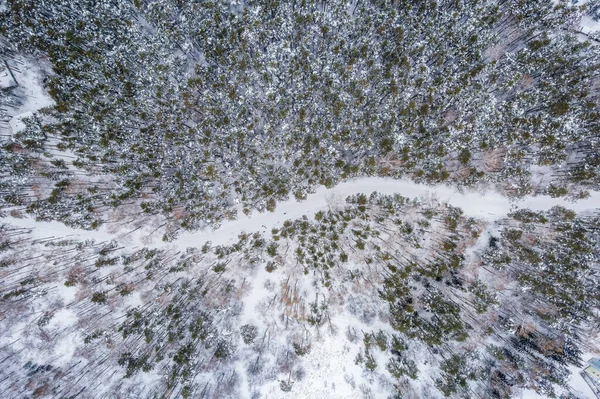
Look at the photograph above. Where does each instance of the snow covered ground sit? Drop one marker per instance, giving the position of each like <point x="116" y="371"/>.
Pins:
<point x="16" y="124"/>
<point x="588" y="25"/>
<point x="31" y="90"/>
<point x="330" y="356"/>
<point x="490" y="206"/>
<point x="5" y="79"/>
<point x="580" y="388"/>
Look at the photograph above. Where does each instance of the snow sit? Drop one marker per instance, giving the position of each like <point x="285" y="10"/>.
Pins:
<point x="330" y="371"/>
<point x="329" y="368"/>
<point x="578" y="386"/>
<point x="5" y="79"/>
<point x="30" y="83"/>
<point x="67" y="294"/>
<point x="531" y="394"/>
<point x="30" y="89"/>
<point x="63" y="318"/>
<point x="64" y="350"/>
<point x="588" y="25"/>
<point x="489" y="206"/>
<point x="45" y="230"/>
<point x="259" y="291"/>
<point x="16" y="123"/>
<point x="134" y="300"/>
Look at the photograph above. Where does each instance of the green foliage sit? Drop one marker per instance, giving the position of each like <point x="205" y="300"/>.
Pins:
<point x="484" y="298"/>
<point x="455" y="375"/>
<point x="465" y="156"/>
<point x="14" y="293"/>
<point x="513" y="234"/>
<point x="286" y="386"/>
<point x="300" y="349"/>
<point x="219" y="267"/>
<point x="272" y="249"/>
<point x="400" y="367"/>
<point x="249" y="333"/>
<point x="134" y="364"/>
<point x="559" y="108"/>
<point x="99" y="297"/>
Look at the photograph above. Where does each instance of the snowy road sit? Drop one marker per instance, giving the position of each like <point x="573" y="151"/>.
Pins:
<point x="490" y="205"/>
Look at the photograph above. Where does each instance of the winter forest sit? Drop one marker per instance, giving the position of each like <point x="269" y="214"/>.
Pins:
<point x="299" y="198"/>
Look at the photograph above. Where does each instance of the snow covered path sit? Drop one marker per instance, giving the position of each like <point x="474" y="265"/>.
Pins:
<point x="490" y="205"/>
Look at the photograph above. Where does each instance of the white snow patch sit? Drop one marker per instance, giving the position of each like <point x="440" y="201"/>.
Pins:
<point x="31" y="86"/>
<point x="30" y="90"/>
<point x="330" y="370"/>
<point x="63" y="318"/>
<point x="16" y="123"/>
<point x="259" y="291"/>
<point x="579" y="386"/>
<point x="5" y="79"/>
<point x="64" y="350"/>
<point x="134" y="300"/>
<point x="531" y="394"/>
<point x="67" y="294"/>
<point x="588" y="25"/>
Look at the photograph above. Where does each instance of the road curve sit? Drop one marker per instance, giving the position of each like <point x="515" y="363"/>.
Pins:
<point x="488" y="205"/>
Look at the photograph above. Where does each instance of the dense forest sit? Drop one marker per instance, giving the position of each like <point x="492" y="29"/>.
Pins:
<point x="187" y="108"/>
<point x="174" y="116"/>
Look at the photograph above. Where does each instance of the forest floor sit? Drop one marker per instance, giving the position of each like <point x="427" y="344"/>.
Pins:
<point x="333" y="372"/>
